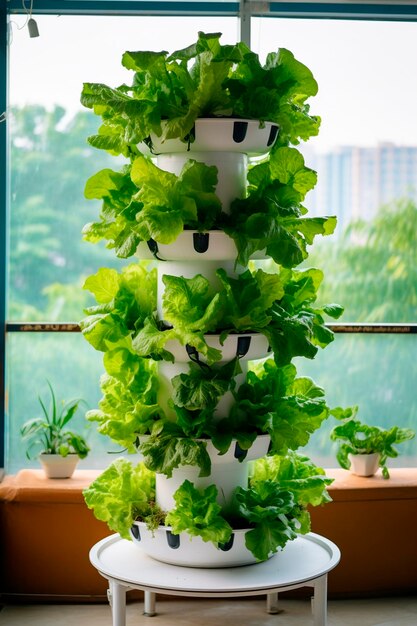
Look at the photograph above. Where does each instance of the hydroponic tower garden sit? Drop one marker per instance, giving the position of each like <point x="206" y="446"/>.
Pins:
<point x="200" y="328"/>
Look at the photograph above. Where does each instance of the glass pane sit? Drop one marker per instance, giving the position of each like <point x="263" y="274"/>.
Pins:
<point x="73" y="369"/>
<point x="365" y="156"/>
<point x="50" y="158"/>
<point x="375" y="372"/>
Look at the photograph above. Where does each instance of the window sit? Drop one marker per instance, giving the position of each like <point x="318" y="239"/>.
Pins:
<point x="369" y="265"/>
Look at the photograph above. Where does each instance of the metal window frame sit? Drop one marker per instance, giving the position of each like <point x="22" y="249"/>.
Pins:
<point x="385" y="10"/>
<point x="334" y="9"/>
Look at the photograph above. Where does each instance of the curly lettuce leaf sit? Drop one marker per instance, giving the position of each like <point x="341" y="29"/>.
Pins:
<point x="193" y="308"/>
<point x="197" y="513"/>
<point x="297" y="328"/>
<point x="275" y="515"/>
<point x="202" y="387"/>
<point x="248" y="298"/>
<point x="276" y="92"/>
<point x="169" y="92"/>
<point x="271" y="218"/>
<point x="128" y="407"/>
<point x="170" y="201"/>
<point x="295" y="473"/>
<point x="125" y="301"/>
<point x="243" y="304"/>
<point x="150" y="341"/>
<point x="289" y="409"/>
<point x="121" y="494"/>
<point x="167" y="448"/>
<point x="117" y="223"/>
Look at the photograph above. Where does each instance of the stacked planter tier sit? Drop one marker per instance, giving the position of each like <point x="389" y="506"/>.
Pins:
<point x="225" y="144"/>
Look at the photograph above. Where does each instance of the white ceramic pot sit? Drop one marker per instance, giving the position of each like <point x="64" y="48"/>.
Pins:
<point x="364" y="464"/>
<point x="190" y="245"/>
<point x="221" y="134"/>
<point x="188" y="551"/>
<point x="227" y="473"/>
<point x="57" y="466"/>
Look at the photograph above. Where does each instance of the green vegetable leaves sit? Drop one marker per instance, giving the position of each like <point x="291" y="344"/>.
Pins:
<point x="355" y="437"/>
<point x="167" y="448"/>
<point x="295" y="473"/>
<point x="271" y="510"/>
<point x="125" y="301"/>
<point x="143" y="202"/>
<point x="170" y="201"/>
<point x="289" y="409"/>
<point x="271" y="218"/>
<point x="198" y="513"/>
<point x="279" y="305"/>
<point x="121" y="494"/>
<point x="128" y="408"/>
<point x="273" y="507"/>
<point x="206" y="79"/>
<point x="276" y="500"/>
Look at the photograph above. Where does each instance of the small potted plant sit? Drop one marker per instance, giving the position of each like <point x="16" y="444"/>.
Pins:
<point x="362" y="448"/>
<point x="58" y="448"/>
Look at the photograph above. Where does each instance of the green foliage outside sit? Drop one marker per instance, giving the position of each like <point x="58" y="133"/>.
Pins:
<point x="372" y="266"/>
<point x="50" y="160"/>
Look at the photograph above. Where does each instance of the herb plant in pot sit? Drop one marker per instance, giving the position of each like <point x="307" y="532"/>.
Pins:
<point x="198" y="342"/>
<point x="362" y="448"/>
<point x="49" y="438"/>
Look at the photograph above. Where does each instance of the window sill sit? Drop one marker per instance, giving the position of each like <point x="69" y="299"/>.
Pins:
<point x="371" y="520"/>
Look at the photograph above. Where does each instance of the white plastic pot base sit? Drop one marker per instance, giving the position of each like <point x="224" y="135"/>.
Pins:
<point x="190" y="245"/>
<point x="188" y="551"/>
<point x="57" y="466"/>
<point x="246" y="346"/>
<point x="226" y="134"/>
<point x="364" y="464"/>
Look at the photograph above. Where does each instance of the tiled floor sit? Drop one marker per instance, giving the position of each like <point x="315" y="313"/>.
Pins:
<point x="202" y="612"/>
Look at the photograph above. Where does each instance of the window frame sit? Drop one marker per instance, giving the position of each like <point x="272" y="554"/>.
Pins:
<point x="388" y="10"/>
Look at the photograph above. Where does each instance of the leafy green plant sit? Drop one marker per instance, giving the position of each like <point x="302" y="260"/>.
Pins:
<point x="49" y="434"/>
<point x="355" y="437"/>
<point x="143" y="202"/>
<point x="197" y="512"/>
<point x="207" y="79"/>
<point x="280" y="305"/>
<point x="122" y="494"/>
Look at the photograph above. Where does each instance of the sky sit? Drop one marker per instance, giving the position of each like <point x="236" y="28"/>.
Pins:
<point x="365" y="70"/>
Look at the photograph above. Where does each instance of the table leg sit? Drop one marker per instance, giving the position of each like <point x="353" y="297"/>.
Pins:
<point x="118" y="603"/>
<point x="272" y="603"/>
<point x="320" y="601"/>
<point x="149" y="603"/>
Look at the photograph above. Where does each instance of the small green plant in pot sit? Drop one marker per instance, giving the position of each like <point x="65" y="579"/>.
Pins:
<point x="363" y="448"/>
<point x="49" y="438"/>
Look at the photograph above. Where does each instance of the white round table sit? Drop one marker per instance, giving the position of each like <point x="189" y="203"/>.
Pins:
<point x="304" y="562"/>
